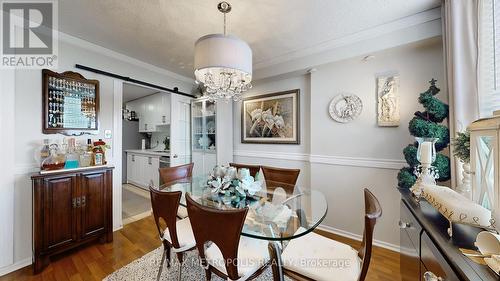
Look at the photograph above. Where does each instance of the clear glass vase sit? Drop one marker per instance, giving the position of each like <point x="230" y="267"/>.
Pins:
<point x="421" y="144"/>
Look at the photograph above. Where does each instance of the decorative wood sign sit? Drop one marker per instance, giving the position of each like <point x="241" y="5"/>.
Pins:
<point x="388" y="101"/>
<point x="70" y="103"/>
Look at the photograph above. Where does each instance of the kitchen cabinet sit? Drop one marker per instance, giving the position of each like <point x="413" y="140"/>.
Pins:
<point x="142" y="169"/>
<point x="153" y="112"/>
<point x="70" y="209"/>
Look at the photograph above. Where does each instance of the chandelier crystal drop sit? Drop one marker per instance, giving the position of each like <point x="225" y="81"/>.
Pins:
<point x="223" y="64"/>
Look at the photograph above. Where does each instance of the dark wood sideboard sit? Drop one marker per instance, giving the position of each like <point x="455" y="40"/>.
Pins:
<point x="426" y="246"/>
<point x="70" y="209"/>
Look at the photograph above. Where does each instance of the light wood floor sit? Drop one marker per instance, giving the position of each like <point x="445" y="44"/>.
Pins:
<point x="138" y="238"/>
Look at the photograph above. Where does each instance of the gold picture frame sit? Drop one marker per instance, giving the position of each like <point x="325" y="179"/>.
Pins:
<point x="271" y="118"/>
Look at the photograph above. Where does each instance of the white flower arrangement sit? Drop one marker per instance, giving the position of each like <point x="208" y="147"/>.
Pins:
<point x="235" y="184"/>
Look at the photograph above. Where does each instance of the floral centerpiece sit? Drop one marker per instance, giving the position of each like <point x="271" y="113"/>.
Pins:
<point x="233" y="185"/>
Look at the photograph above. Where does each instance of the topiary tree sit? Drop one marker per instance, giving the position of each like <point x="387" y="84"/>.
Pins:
<point x="426" y="124"/>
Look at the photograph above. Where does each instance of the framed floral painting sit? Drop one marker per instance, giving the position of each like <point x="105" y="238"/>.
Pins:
<point x="271" y="118"/>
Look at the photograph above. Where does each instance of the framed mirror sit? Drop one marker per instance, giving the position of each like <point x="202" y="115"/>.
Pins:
<point x="70" y="103"/>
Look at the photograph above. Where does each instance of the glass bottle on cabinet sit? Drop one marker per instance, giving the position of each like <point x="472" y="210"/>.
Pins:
<point x="204" y="135"/>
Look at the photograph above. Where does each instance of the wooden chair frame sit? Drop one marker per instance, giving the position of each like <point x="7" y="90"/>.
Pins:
<point x="373" y="211"/>
<point x="165" y="206"/>
<point x="254" y="169"/>
<point x="223" y="228"/>
<point x="171" y="174"/>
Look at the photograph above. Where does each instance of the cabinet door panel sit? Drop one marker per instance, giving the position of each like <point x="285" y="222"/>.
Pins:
<point x="433" y="261"/>
<point x="59" y="214"/>
<point x="152" y="170"/>
<point x="93" y="204"/>
<point x="130" y="165"/>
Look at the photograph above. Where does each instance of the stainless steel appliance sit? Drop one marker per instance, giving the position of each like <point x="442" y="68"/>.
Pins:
<point x="164" y="163"/>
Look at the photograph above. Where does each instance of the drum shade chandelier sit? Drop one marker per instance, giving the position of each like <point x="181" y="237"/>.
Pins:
<point x="223" y="63"/>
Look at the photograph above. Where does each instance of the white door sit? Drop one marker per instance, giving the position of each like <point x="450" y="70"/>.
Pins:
<point x="180" y="130"/>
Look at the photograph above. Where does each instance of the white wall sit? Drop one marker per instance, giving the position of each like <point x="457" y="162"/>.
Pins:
<point x="341" y="159"/>
<point x="28" y="128"/>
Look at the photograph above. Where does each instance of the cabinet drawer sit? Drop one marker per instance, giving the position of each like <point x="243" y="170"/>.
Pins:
<point x="410" y="225"/>
<point x="433" y="261"/>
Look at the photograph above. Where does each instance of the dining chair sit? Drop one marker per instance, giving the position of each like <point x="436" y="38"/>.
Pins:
<point x="333" y="260"/>
<point x="280" y="177"/>
<point x="254" y="169"/>
<point x="222" y="249"/>
<point x="171" y="174"/>
<point x="175" y="235"/>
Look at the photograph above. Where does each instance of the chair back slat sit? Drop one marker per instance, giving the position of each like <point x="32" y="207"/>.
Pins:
<point x="165" y="205"/>
<point x="171" y="174"/>
<point x="254" y="169"/>
<point x="222" y="227"/>
<point x="280" y="177"/>
<point x="373" y="211"/>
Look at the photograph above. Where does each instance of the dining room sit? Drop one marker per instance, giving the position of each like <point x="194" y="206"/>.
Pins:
<point x="292" y="140"/>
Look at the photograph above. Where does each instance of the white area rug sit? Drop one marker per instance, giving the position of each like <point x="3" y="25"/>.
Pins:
<point x="146" y="268"/>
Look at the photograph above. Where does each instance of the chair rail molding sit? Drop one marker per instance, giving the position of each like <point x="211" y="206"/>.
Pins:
<point x="380" y="163"/>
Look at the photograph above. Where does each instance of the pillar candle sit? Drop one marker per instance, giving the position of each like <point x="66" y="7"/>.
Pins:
<point x="426" y="153"/>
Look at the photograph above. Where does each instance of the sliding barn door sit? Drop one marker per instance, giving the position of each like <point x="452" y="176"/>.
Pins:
<point x="180" y="130"/>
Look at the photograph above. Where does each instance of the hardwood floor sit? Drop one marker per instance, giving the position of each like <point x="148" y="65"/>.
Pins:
<point x="138" y="238"/>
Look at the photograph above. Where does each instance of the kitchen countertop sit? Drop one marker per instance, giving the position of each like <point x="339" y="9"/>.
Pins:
<point x="150" y="152"/>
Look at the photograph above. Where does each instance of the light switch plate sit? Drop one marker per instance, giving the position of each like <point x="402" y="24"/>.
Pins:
<point x="107" y="134"/>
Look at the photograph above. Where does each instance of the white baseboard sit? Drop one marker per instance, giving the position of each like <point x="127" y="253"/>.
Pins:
<point x="357" y="237"/>
<point x="15" y="266"/>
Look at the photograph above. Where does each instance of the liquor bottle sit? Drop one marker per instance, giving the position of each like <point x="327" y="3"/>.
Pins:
<point x="72" y="158"/>
<point x="56" y="159"/>
<point x="87" y="156"/>
<point x="99" y="153"/>
<point x="45" y="150"/>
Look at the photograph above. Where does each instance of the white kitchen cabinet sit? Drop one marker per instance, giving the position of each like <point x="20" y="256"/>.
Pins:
<point x="162" y="109"/>
<point x="142" y="169"/>
<point x="153" y="112"/>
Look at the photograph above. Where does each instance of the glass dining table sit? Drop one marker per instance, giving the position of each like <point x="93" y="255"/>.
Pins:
<point x="275" y="214"/>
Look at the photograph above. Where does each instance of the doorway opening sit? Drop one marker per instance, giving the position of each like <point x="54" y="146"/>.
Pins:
<point x="146" y="115"/>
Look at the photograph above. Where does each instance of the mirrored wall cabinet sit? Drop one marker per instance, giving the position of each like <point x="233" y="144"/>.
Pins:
<point x="70" y="103"/>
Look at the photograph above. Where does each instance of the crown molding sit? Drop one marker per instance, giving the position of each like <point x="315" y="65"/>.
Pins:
<point x="404" y="31"/>
<point x="64" y="37"/>
<point x="366" y="34"/>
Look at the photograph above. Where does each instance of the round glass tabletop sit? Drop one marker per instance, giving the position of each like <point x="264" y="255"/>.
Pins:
<point x="274" y="213"/>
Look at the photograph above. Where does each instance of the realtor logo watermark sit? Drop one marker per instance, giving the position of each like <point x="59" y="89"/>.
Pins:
<point x="29" y="34"/>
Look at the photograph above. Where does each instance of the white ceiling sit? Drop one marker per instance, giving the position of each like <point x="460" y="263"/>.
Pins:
<point x="132" y="92"/>
<point x="163" y="32"/>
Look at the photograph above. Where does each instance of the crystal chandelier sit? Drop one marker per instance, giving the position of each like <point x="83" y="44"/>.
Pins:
<point x="223" y="63"/>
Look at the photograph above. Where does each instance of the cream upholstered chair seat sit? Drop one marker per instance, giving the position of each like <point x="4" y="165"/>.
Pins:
<point x="252" y="255"/>
<point x="184" y="236"/>
<point x="182" y="212"/>
<point x="320" y="258"/>
<point x="314" y="257"/>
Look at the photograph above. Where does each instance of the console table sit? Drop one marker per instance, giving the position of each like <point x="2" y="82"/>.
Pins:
<point x="426" y="246"/>
<point x="70" y="208"/>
